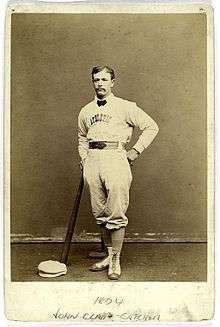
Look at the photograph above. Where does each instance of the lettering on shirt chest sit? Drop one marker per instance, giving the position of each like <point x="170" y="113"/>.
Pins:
<point x="100" y="117"/>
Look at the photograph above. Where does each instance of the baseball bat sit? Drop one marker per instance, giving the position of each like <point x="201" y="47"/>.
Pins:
<point x="72" y="222"/>
<point x="103" y="248"/>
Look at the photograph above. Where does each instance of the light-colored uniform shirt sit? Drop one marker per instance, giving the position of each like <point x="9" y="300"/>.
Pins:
<point x="114" y="121"/>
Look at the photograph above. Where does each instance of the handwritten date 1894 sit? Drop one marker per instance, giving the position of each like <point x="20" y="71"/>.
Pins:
<point x="108" y="300"/>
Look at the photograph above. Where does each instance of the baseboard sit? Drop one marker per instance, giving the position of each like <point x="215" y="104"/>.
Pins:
<point x="95" y="237"/>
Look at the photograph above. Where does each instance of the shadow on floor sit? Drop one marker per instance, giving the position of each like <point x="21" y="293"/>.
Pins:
<point x="140" y="262"/>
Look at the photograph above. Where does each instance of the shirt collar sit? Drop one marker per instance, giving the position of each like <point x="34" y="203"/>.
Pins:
<point x="109" y="97"/>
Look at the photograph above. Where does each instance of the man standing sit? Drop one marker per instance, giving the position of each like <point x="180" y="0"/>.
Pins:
<point x="105" y="125"/>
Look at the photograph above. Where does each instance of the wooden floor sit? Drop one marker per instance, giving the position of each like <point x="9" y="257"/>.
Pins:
<point x="170" y="262"/>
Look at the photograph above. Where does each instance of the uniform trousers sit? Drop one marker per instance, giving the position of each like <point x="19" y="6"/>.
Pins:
<point x="108" y="175"/>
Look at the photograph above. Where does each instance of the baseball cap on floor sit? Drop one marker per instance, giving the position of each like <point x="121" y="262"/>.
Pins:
<point x="43" y="274"/>
<point x="52" y="267"/>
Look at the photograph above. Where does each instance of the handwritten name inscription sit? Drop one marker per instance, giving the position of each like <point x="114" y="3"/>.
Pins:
<point x="110" y="303"/>
<point x="104" y="316"/>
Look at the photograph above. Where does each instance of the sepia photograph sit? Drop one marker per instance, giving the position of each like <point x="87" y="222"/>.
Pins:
<point x="109" y="131"/>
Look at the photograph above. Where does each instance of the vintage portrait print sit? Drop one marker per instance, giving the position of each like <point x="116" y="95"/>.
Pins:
<point x="109" y="163"/>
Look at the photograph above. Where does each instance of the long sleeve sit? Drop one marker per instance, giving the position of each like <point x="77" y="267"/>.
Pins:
<point x="83" y="144"/>
<point x="138" y="118"/>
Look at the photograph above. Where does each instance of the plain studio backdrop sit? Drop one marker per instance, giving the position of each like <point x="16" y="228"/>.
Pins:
<point x="160" y="63"/>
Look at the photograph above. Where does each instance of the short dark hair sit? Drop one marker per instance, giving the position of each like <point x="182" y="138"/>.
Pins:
<point x="98" y="69"/>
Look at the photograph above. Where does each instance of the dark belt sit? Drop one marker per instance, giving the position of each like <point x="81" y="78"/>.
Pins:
<point x="104" y="145"/>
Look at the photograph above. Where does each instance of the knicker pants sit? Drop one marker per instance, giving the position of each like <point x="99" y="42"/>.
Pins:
<point x="109" y="177"/>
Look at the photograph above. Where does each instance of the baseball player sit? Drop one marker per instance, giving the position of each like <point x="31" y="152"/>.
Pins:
<point x="105" y="125"/>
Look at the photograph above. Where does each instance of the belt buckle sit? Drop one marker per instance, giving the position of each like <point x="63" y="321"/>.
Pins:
<point x="119" y="146"/>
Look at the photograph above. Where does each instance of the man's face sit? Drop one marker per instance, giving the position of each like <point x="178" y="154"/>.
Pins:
<point x="102" y="84"/>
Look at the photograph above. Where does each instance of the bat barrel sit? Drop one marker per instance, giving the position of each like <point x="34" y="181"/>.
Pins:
<point x="72" y="223"/>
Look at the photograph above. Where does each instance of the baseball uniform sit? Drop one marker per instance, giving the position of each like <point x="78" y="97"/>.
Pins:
<point x="107" y="170"/>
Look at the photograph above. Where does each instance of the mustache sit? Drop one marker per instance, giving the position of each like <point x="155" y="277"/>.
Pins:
<point x="100" y="89"/>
